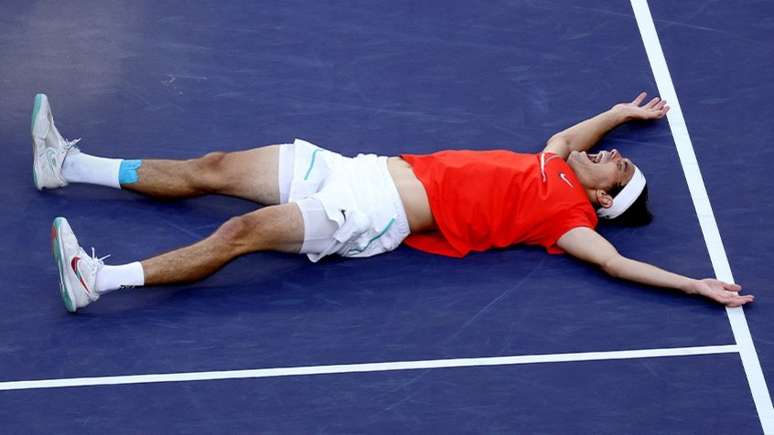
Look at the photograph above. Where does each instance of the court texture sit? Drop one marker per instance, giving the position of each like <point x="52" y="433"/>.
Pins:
<point x="507" y="341"/>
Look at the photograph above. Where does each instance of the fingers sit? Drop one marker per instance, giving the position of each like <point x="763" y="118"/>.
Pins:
<point x="656" y="103"/>
<point x="734" y="300"/>
<point x="656" y="108"/>
<point x="731" y="287"/>
<point x="725" y="293"/>
<point x="738" y="301"/>
<point x="652" y="103"/>
<point x="661" y="109"/>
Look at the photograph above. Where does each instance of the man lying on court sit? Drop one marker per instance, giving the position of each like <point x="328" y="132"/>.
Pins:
<point x="319" y="203"/>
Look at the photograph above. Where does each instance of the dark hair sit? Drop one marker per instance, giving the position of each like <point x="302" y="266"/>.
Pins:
<point x="637" y="214"/>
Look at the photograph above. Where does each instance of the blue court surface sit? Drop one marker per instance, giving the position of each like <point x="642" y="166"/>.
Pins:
<point x="508" y="341"/>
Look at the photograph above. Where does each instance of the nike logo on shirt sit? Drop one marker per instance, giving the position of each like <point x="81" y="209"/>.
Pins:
<point x="565" y="179"/>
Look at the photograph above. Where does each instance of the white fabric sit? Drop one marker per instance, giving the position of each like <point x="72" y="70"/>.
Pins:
<point x="79" y="167"/>
<point x="625" y="197"/>
<point x="111" y="278"/>
<point x="357" y="195"/>
<point x="318" y="229"/>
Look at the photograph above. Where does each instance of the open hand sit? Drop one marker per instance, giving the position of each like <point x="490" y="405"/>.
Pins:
<point x="656" y="108"/>
<point x="722" y="292"/>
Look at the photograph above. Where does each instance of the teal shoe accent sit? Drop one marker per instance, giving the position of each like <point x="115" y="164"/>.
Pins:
<point x="127" y="172"/>
<point x="35" y="110"/>
<point x="69" y="304"/>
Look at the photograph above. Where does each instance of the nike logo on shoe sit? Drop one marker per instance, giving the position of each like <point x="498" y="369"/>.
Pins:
<point x="565" y="179"/>
<point x="74" y="265"/>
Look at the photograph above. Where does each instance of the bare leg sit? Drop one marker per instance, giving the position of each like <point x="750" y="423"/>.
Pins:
<point x="276" y="228"/>
<point x="250" y="174"/>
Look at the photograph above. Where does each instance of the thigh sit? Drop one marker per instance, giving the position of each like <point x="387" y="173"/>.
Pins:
<point x="274" y="228"/>
<point x="252" y="174"/>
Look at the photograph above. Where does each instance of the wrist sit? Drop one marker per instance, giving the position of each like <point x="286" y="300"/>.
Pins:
<point x="621" y="113"/>
<point x="689" y="286"/>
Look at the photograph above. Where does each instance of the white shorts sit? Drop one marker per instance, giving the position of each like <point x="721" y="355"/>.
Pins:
<point x="350" y="205"/>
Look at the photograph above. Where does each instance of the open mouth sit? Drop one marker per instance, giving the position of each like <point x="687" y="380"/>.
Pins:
<point x="601" y="156"/>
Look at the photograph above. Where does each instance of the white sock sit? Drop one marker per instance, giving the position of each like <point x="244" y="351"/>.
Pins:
<point x="84" y="168"/>
<point x="111" y="278"/>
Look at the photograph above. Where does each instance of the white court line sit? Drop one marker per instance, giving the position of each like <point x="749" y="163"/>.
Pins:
<point x="369" y="367"/>
<point x="709" y="227"/>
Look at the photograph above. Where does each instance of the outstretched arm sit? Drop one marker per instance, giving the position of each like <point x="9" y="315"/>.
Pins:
<point x="587" y="245"/>
<point x="584" y="135"/>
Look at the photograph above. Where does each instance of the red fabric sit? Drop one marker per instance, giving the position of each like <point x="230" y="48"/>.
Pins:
<point x="494" y="199"/>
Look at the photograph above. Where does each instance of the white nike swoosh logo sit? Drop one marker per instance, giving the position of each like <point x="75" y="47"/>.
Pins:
<point x="566" y="180"/>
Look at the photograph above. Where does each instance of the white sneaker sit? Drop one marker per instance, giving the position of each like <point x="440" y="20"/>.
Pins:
<point x="48" y="146"/>
<point x="77" y="270"/>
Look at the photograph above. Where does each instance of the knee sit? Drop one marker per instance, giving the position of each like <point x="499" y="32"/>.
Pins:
<point x="209" y="170"/>
<point x="278" y="228"/>
<point x="235" y="233"/>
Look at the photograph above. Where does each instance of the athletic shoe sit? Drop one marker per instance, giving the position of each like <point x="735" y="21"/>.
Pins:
<point x="77" y="270"/>
<point x="48" y="146"/>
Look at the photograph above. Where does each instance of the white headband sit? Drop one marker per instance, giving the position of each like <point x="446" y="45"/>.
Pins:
<point x="625" y="197"/>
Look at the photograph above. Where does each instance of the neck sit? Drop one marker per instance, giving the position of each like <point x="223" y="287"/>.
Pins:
<point x="591" y="194"/>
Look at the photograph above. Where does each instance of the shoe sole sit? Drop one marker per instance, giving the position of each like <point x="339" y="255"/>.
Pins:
<point x="39" y="100"/>
<point x="56" y="248"/>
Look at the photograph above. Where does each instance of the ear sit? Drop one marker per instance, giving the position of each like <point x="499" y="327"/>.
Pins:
<point x="603" y="199"/>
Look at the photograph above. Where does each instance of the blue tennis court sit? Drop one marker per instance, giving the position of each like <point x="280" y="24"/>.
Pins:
<point x="506" y="341"/>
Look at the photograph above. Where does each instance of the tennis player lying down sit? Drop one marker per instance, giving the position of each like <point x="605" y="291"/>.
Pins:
<point x="319" y="203"/>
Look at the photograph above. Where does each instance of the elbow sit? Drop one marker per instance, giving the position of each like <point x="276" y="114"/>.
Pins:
<point x="611" y="265"/>
<point x="559" y="144"/>
<point x="560" y="137"/>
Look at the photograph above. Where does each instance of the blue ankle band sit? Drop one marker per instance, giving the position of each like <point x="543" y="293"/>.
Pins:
<point x="127" y="173"/>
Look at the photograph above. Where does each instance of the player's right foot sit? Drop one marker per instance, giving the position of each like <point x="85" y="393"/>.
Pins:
<point x="48" y="146"/>
<point x="77" y="270"/>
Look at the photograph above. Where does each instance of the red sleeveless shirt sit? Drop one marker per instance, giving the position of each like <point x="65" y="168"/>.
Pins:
<point x="494" y="199"/>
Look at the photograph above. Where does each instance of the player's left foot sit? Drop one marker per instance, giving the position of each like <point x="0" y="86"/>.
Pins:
<point x="77" y="269"/>
<point x="49" y="148"/>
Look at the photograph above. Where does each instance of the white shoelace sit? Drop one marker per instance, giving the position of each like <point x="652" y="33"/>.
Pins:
<point x="100" y="262"/>
<point x="70" y="144"/>
<point x="92" y="273"/>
